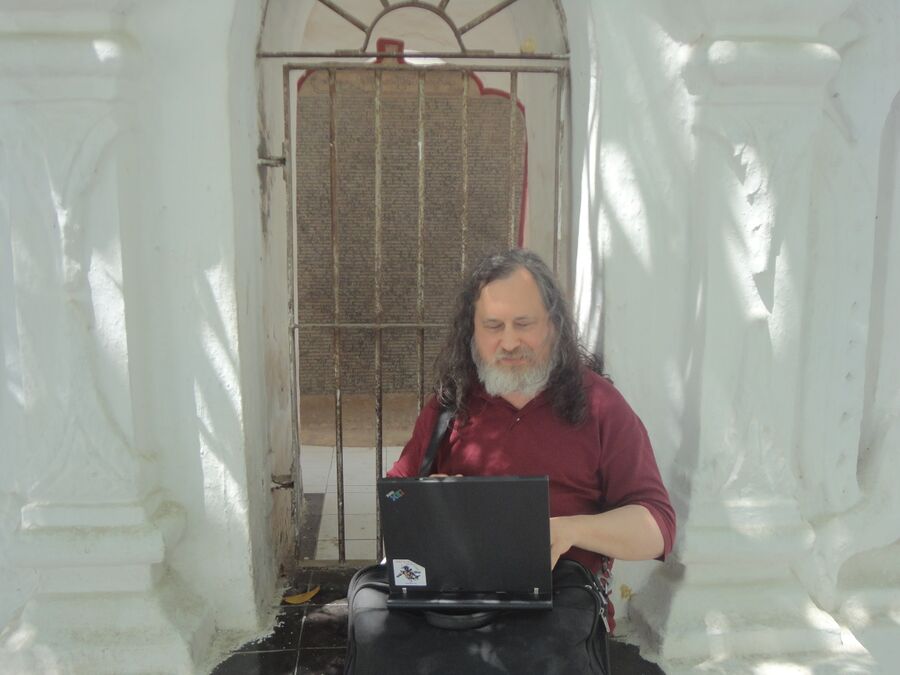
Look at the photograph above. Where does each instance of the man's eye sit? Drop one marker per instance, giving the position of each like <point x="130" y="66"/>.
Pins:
<point x="524" y="324"/>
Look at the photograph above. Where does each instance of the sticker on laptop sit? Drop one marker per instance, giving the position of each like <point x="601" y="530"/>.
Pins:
<point x="395" y="495"/>
<point x="408" y="573"/>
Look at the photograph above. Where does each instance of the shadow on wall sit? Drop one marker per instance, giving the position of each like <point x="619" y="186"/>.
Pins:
<point x="203" y="388"/>
<point x="194" y="247"/>
<point x="637" y="291"/>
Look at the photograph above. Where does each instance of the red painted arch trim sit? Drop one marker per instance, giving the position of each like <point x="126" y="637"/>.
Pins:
<point x="523" y="201"/>
<point x="382" y="44"/>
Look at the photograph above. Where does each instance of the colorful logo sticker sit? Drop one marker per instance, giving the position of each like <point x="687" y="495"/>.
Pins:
<point x="408" y="573"/>
<point x="395" y="495"/>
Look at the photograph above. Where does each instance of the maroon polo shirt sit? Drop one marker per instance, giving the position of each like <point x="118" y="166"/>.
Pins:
<point x="598" y="465"/>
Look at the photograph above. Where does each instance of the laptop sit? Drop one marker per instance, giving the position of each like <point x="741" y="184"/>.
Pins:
<point x="467" y="543"/>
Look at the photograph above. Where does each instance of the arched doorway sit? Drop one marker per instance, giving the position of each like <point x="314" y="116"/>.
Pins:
<point x="394" y="151"/>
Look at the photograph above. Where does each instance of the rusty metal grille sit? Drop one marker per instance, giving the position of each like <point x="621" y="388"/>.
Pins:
<point x="340" y="325"/>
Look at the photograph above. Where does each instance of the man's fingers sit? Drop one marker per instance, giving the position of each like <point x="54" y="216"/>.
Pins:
<point x="554" y="557"/>
<point x="559" y="543"/>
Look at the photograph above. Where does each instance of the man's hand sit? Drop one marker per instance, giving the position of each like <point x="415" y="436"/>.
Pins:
<point x="561" y="538"/>
<point x="626" y="533"/>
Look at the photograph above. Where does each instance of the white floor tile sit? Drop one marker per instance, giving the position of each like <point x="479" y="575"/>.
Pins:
<point x="391" y="455"/>
<point x="328" y="526"/>
<point x="312" y="449"/>
<point x="360" y="526"/>
<point x="354" y="502"/>
<point x="354" y="549"/>
<point x="354" y="475"/>
<point x="327" y="549"/>
<point x="314" y="482"/>
<point x="353" y="488"/>
<point x="360" y="549"/>
<point x="316" y="466"/>
<point x="356" y="526"/>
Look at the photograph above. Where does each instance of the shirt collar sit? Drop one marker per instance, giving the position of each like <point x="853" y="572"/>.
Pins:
<point x="478" y="392"/>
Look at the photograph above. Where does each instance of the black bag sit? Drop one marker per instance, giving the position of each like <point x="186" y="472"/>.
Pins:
<point x="570" y="638"/>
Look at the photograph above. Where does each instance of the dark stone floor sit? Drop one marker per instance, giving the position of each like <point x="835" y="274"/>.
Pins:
<point x="311" y="639"/>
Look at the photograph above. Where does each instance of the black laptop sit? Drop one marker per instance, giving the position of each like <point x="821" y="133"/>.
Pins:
<point x="472" y="543"/>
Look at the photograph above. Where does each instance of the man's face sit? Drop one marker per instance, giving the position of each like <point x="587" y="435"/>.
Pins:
<point x="514" y="337"/>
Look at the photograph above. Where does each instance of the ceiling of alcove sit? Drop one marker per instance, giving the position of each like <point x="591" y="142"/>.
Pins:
<point x="482" y="26"/>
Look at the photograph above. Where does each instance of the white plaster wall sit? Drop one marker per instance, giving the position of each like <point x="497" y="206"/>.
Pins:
<point x="199" y="387"/>
<point x="17" y="584"/>
<point x="243" y="104"/>
<point x="847" y="189"/>
<point x="631" y="158"/>
<point x="82" y="284"/>
<point x="630" y="65"/>
<point x="849" y="441"/>
<point x="176" y="196"/>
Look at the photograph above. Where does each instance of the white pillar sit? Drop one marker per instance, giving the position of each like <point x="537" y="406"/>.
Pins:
<point x="94" y="527"/>
<point x="729" y="592"/>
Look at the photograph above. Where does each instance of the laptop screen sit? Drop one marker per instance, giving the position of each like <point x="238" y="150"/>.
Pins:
<point x="468" y="541"/>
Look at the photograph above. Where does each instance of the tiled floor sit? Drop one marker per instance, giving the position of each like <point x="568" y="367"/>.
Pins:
<point x="320" y="521"/>
<point x="307" y="638"/>
<point x="311" y="639"/>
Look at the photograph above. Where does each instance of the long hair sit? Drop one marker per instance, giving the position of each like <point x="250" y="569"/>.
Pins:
<point x="455" y="369"/>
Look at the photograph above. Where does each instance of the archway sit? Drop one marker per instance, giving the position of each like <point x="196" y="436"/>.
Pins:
<point x="505" y="47"/>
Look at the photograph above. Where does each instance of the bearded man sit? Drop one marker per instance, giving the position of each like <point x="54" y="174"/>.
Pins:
<point x="528" y="400"/>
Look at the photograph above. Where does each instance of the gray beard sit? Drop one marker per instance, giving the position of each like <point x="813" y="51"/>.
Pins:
<point x="499" y="381"/>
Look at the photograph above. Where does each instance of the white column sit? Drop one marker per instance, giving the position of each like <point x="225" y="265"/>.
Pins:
<point x="729" y="592"/>
<point x="94" y="528"/>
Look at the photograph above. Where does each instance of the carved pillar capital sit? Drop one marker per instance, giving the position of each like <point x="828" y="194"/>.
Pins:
<point x="765" y="52"/>
<point x="67" y="67"/>
<point x="729" y="72"/>
<point x="795" y="20"/>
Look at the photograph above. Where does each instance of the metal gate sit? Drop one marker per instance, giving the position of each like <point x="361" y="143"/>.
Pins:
<point x="298" y="65"/>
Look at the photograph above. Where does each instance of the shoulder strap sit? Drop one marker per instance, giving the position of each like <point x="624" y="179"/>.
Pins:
<point x="437" y="435"/>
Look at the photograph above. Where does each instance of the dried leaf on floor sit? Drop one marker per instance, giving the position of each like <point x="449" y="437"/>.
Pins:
<point x="300" y="598"/>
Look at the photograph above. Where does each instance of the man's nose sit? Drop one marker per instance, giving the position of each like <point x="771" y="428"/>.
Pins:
<point x="509" y="340"/>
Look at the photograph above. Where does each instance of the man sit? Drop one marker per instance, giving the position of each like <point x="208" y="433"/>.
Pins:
<point x="529" y="401"/>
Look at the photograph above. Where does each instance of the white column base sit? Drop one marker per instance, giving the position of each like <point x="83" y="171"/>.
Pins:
<point x="869" y="599"/>
<point x="105" y="603"/>
<point x="732" y="596"/>
<point x="852" y="659"/>
<point x="166" y="630"/>
<point x="874" y="617"/>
